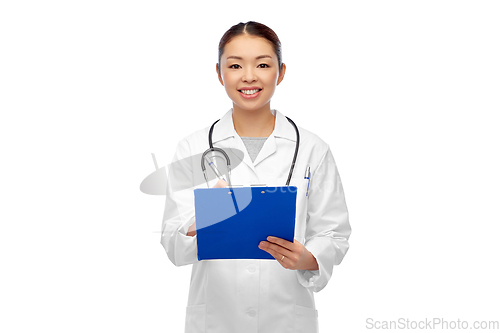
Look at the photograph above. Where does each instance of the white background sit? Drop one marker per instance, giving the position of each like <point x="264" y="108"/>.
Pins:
<point x="405" y="92"/>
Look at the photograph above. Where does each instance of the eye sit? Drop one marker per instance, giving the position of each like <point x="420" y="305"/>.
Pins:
<point x="263" y="66"/>
<point x="235" y="66"/>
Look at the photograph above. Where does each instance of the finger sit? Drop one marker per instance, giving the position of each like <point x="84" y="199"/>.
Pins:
<point x="278" y="256"/>
<point x="281" y="251"/>
<point x="221" y="183"/>
<point x="281" y="242"/>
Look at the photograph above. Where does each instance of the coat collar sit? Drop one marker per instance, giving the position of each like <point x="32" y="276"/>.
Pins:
<point x="225" y="127"/>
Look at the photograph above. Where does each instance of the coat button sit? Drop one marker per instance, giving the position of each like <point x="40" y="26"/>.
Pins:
<point x="252" y="313"/>
<point x="251" y="268"/>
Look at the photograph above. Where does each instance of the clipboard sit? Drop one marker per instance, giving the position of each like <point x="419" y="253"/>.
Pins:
<point x="232" y="221"/>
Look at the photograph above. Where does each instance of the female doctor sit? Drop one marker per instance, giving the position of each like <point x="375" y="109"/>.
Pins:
<point x="258" y="296"/>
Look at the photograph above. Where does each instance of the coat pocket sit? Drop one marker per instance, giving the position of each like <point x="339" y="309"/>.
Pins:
<point x="306" y="319"/>
<point x="195" y="318"/>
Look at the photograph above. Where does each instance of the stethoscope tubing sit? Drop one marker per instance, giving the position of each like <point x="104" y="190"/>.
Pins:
<point x="228" y="163"/>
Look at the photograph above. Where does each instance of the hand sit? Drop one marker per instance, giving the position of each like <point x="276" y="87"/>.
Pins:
<point x="220" y="183"/>
<point x="296" y="256"/>
<point x="192" y="229"/>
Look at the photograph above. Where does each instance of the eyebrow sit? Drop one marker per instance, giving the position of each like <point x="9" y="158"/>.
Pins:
<point x="240" y="58"/>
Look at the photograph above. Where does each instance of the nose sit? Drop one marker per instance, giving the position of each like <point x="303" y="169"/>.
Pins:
<point x="249" y="75"/>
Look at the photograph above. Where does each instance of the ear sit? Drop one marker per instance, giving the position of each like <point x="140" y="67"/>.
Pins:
<point x="282" y="74"/>
<point x="218" y="74"/>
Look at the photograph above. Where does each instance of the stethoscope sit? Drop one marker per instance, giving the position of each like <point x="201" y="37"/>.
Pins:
<point x="228" y="163"/>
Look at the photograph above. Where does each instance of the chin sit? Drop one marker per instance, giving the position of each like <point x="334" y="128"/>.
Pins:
<point x="251" y="108"/>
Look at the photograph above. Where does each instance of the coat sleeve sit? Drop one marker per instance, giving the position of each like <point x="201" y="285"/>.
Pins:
<point x="179" y="211"/>
<point x="327" y="223"/>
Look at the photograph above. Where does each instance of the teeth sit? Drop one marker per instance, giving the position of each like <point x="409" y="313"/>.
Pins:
<point x="249" y="92"/>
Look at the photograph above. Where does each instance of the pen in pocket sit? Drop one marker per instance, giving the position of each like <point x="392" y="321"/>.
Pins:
<point x="308" y="177"/>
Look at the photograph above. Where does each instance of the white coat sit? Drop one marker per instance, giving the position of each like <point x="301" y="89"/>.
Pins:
<point x="258" y="296"/>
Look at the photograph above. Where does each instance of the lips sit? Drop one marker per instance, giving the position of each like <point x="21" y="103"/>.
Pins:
<point x="250" y="93"/>
<point x="249" y="90"/>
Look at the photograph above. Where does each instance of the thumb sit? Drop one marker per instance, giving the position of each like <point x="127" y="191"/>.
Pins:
<point x="221" y="183"/>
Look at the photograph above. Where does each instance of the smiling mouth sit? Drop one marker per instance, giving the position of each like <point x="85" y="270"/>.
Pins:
<point x="249" y="92"/>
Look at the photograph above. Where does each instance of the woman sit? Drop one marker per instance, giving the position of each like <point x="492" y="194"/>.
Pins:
<point x="237" y="296"/>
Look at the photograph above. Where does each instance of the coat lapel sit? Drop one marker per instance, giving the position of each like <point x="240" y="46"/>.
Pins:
<point x="224" y="131"/>
<point x="283" y="129"/>
<point x="267" y="150"/>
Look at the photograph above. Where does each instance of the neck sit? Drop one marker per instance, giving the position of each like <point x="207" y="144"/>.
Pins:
<point x="255" y="123"/>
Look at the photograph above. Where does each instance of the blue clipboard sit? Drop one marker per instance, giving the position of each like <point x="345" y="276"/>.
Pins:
<point x="231" y="222"/>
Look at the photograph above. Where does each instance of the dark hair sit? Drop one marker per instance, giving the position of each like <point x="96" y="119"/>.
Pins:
<point x="253" y="29"/>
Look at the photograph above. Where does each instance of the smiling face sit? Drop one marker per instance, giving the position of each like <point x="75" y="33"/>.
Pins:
<point x="249" y="72"/>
